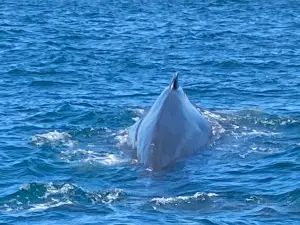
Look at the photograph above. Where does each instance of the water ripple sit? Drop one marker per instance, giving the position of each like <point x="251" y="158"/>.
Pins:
<point x="76" y="74"/>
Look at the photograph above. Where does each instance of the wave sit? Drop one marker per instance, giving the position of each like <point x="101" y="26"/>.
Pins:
<point x="40" y="197"/>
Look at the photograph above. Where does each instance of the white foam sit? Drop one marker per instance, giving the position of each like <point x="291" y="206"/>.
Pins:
<point x="107" y="197"/>
<point x="7" y="208"/>
<point x="52" y="190"/>
<point x="212" y="195"/>
<point x="217" y="131"/>
<point x="215" y="119"/>
<point x="255" y="148"/>
<point x="211" y="115"/>
<point x="91" y="157"/>
<point x="254" y="199"/>
<point x="259" y="149"/>
<point x="122" y="137"/>
<point x="255" y="132"/>
<point x="44" y="206"/>
<point x="235" y="127"/>
<point x="288" y="121"/>
<point x="49" y="198"/>
<point x="113" y="196"/>
<point x="186" y="199"/>
<point x="53" y="138"/>
<point x="140" y="112"/>
<point x="58" y="195"/>
<point x="25" y="187"/>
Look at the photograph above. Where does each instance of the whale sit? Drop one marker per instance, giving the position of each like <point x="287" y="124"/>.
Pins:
<point x="172" y="130"/>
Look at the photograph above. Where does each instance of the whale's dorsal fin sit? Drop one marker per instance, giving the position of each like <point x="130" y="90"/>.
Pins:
<point x="175" y="84"/>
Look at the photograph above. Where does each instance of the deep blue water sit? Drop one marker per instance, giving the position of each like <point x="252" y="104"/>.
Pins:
<point x="75" y="74"/>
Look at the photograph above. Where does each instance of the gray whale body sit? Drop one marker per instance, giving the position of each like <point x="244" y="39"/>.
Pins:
<point x="172" y="129"/>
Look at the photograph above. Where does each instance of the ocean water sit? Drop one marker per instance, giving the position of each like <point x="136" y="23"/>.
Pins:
<point x="75" y="74"/>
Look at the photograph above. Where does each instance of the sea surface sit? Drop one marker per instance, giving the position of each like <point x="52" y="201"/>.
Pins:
<point x="75" y="74"/>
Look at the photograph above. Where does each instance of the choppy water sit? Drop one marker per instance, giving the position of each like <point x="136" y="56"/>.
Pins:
<point x="75" y="74"/>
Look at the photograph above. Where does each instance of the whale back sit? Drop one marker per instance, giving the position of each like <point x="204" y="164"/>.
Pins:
<point x="171" y="130"/>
